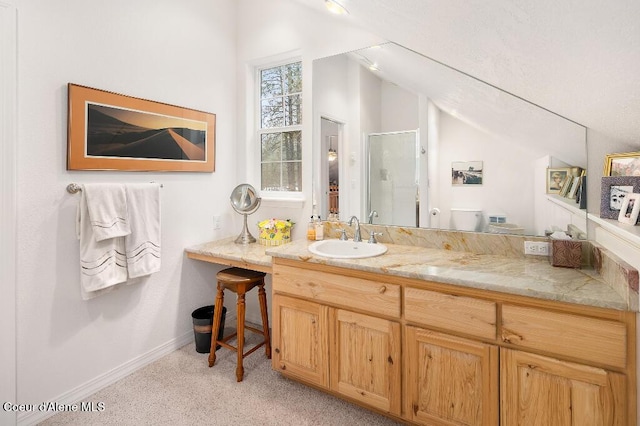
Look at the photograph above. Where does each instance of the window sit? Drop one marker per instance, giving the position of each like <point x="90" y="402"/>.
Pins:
<point x="280" y="131"/>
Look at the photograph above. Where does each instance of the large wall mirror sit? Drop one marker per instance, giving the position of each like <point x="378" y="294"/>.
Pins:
<point x="401" y="139"/>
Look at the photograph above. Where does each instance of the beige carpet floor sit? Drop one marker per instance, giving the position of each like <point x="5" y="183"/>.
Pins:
<point x="180" y="389"/>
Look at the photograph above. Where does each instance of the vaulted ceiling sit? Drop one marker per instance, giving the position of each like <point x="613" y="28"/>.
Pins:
<point x="578" y="58"/>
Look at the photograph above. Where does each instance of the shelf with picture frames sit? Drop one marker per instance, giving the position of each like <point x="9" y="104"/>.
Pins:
<point x="621" y="170"/>
<point x="623" y="239"/>
<point x="566" y="203"/>
<point x="627" y="232"/>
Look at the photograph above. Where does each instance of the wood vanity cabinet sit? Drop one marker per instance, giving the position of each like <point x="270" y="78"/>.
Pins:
<point x="547" y="389"/>
<point x="449" y="380"/>
<point x="348" y="351"/>
<point x="365" y="359"/>
<point x="437" y="354"/>
<point x="300" y="339"/>
<point x="539" y="390"/>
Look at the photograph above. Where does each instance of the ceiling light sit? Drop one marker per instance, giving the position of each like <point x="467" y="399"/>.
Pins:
<point x="374" y="67"/>
<point x="333" y="154"/>
<point x="335" y="7"/>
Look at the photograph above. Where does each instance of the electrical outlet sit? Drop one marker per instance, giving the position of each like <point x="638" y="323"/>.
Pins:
<point x="217" y="222"/>
<point x="536" y="248"/>
<point x="543" y="249"/>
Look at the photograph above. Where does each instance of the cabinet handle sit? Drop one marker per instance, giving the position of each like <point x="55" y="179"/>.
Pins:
<point x="509" y="336"/>
<point x="382" y="289"/>
<point x="283" y="367"/>
<point x="277" y="350"/>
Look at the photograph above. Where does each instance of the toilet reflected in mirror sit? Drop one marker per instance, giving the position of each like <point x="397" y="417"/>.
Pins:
<point x="466" y="220"/>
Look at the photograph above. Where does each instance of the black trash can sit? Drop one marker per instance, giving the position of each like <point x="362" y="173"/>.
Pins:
<point x="203" y="325"/>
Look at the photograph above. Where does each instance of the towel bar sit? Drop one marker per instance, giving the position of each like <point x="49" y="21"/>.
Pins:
<point x="74" y="188"/>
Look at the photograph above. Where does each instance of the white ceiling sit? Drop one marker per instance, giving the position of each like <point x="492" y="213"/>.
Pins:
<point x="578" y="58"/>
<point x="494" y="112"/>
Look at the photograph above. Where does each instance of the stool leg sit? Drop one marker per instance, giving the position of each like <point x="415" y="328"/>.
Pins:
<point x="217" y="319"/>
<point x="241" y="312"/>
<point x="262" y="297"/>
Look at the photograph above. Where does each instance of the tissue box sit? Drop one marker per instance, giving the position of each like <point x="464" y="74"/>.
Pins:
<point x="565" y="253"/>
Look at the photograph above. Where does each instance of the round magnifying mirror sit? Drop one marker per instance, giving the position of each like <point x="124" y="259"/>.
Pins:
<point x="245" y="201"/>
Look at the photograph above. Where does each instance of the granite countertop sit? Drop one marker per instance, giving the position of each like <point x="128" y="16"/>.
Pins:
<point x="525" y="277"/>
<point x="229" y="250"/>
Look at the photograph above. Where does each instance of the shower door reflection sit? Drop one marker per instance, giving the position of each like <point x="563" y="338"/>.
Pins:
<point x="393" y="177"/>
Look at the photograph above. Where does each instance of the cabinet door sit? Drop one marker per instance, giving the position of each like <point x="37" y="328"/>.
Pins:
<point x="450" y="380"/>
<point x="538" y="390"/>
<point x="365" y="359"/>
<point x="300" y="341"/>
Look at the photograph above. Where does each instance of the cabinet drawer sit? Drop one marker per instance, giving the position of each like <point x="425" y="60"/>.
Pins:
<point x="455" y="313"/>
<point x="590" y="339"/>
<point x="381" y="298"/>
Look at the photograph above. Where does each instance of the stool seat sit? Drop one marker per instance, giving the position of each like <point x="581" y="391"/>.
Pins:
<point x="231" y="278"/>
<point x="239" y="281"/>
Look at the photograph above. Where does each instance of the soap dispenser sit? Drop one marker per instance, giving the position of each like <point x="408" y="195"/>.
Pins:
<point x="311" y="230"/>
<point x="319" y="229"/>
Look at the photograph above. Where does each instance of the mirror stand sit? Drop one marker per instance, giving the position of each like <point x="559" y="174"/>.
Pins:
<point x="245" y="201"/>
<point x="245" y="236"/>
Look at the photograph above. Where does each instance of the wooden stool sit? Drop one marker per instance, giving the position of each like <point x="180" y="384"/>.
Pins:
<point x="239" y="281"/>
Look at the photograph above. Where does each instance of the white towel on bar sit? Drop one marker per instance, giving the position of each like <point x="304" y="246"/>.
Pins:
<point x="143" y="244"/>
<point x="107" y="205"/>
<point x="102" y="249"/>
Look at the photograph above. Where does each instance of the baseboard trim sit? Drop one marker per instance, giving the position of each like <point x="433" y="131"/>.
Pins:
<point x="87" y="389"/>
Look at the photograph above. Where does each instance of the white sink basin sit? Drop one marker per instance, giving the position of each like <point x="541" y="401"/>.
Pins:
<point x="338" y="249"/>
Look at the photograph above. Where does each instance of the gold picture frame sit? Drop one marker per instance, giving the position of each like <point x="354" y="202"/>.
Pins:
<point x="622" y="164"/>
<point x="110" y="131"/>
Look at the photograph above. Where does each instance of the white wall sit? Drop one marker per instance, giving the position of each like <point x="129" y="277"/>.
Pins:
<point x="181" y="53"/>
<point x="399" y="108"/>
<point x="501" y="192"/>
<point x="330" y="100"/>
<point x="8" y="208"/>
<point x="278" y="29"/>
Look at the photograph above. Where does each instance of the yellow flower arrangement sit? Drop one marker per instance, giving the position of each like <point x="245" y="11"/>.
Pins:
<point x="274" y="232"/>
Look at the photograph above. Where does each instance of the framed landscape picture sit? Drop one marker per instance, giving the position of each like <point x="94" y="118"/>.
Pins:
<point x="466" y="173"/>
<point x="109" y="131"/>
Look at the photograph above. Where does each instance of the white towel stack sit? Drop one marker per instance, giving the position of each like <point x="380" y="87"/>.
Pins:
<point x="119" y="231"/>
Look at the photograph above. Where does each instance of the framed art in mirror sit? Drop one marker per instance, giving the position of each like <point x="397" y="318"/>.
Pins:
<point x="625" y="164"/>
<point x="613" y="193"/>
<point x="466" y="173"/>
<point x="557" y="178"/>
<point x="110" y="131"/>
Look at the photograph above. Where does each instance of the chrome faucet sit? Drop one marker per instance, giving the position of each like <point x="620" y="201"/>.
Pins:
<point x="356" y="235"/>
<point x="372" y="215"/>
<point x="372" y="237"/>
